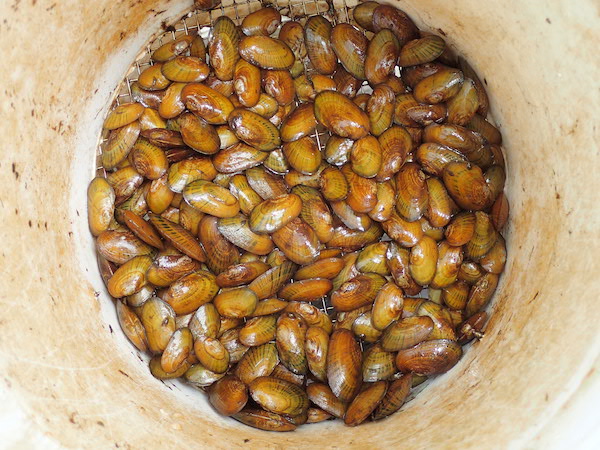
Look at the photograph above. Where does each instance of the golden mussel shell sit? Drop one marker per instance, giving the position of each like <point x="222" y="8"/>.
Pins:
<point x="483" y="239"/>
<point x="350" y="240"/>
<point x="323" y="268"/>
<point x="420" y="51"/>
<point x="198" y="134"/>
<point x="472" y="327"/>
<point x="312" y="315"/>
<point x="240" y="274"/>
<point x="257" y="362"/>
<point x="119" y="144"/>
<point x="292" y="33"/>
<point x="211" y="199"/>
<point x="481" y="293"/>
<point x="238" y="157"/>
<point x="462" y="107"/>
<point x="406" y="333"/>
<point x="122" y="115"/>
<point x="185" y="69"/>
<point x="398" y="260"/>
<point x="279" y="84"/>
<point x="306" y="290"/>
<point x="141" y="229"/>
<point x="187" y="171"/>
<point x="321" y="395"/>
<point x="258" y="331"/>
<point x="152" y="79"/>
<point x="353" y="220"/>
<point x="345" y="83"/>
<point x="340" y="115"/>
<point x="269" y="282"/>
<point x="132" y="326"/>
<point x="272" y="214"/>
<point x="382" y="56"/>
<point x="448" y="264"/>
<point x="455" y="295"/>
<point x="495" y="259"/>
<point x="237" y="231"/>
<point x="337" y="150"/>
<point x="279" y="396"/>
<point x="364" y="330"/>
<point x="163" y="137"/>
<point x="372" y="259"/>
<point x="381" y="108"/>
<point x="386" y="199"/>
<point x="387" y="306"/>
<point x="429" y="357"/>
<point x="300" y="123"/>
<point x="316" y="346"/>
<point x="423" y="261"/>
<point x="148" y="159"/>
<point x="303" y="155"/>
<point x="223" y="48"/>
<point x="489" y="132"/>
<point x="179" y="237"/>
<point x="441" y="207"/>
<point x="262" y="22"/>
<point x="454" y="136"/>
<point x="427" y="114"/>
<point x="212" y="354"/>
<point x="396" y="20"/>
<point x="333" y="184"/>
<point x="151" y="119"/>
<point x="396" y="144"/>
<point x="191" y="291"/>
<point x="344" y="360"/>
<point x="220" y="253"/>
<point x="228" y="395"/>
<point x="358" y="291"/>
<point x="124" y="182"/>
<point x="264" y="420"/>
<point x="130" y="277"/>
<point x="247" y="83"/>
<point x="254" y="129"/>
<point x="158" y="372"/>
<point x="350" y="46"/>
<point x="317" y="37"/>
<point x="150" y="99"/>
<point x="177" y="351"/>
<point x="101" y="205"/>
<point x="495" y="178"/>
<point x="269" y="306"/>
<point x="499" y="212"/>
<point x="158" y="319"/>
<point x="365" y="403"/>
<point x="479" y="87"/>
<point x="470" y="272"/>
<point x="236" y="302"/>
<point x="362" y="192"/>
<point x="439" y="87"/>
<point x="120" y="246"/>
<point x="466" y="184"/>
<point x="378" y="364"/>
<point x="207" y="103"/>
<point x="172" y="49"/>
<point x="205" y="322"/>
<point x="404" y="102"/>
<point x="247" y="197"/>
<point x="172" y="103"/>
<point x="363" y="14"/>
<point x="412" y="198"/>
<point x="290" y="336"/>
<point x="266" y="184"/>
<point x="298" y="241"/>
<point x="394" y="397"/>
<point x="461" y="228"/>
<point x="266" y="52"/>
<point x="366" y="156"/>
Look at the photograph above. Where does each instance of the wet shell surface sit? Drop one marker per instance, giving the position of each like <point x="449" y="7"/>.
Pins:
<point x="298" y="213"/>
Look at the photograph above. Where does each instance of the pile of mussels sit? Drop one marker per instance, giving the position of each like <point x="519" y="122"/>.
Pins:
<point x="257" y="175"/>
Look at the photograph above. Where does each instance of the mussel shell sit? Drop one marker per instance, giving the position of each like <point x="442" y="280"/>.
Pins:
<point x="258" y="331"/>
<point x="389" y="17"/>
<point x="359" y="291"/>
<point x="340" y="115"/>
<point x="262" y="22"/>
<point x="179" y="237"/>
<point x="462" y="107"/>
<point x="350" y="46"/>
<point x="420" y="51"/>
<point x="380" y="108"/>
<point x="264" y="420"/>
<point x="396" y="144"/>
<point x="365" y="403"/>
<point x="207" y="103"/>
<point x="481" y="293"/>
<point x="344" y="360"/>
<point x="439" y="87"/>
<point x="191" y="291"/>
<point x="382" y="56"/>
<point x="405" y="233"/>
<point x="158" y="319"/>
<point x="387" y="306"/>
<point x="228" y="395"/>
<point x="212" y="354"/>
<point x="394" y="398"/>
<point x="279" y="84"/>
<point x="429" y="357"/>
<point x="301" y="122"/>
<point x="198" y="134"/>
<point x="298" y="241"/>
<point x="406" y="333"/>
<point x="223" y="47"/>
<point x="317" y="36"/>
<point x="220" y="253"/>
<point x="269" y="282"/>
<point x="483" y="238"/>
<point x="290" y="336"/>
<point x="254" y="129"/>
<point x="448" y="264"/>
<point x="133" y="327"/>
<point x="316" y="346"/>
<point x="423" y="260"/>
<point x="303" y="155"/>
<point x="306" y="290"/>
<point x="184" y="172"/>
<point x="179" y="347"/>
<point x="120" y="246"/>
<point x="321" y="395"/>
<point x="130" y="277"/>
<point x="238" y="157"/>
<point x="266" y="52"/>
<point x="101" y="205"/>
<point x="119" y="144"/>
<point x="236" y="303"/>
<point x="466" y="185"/>
<point x="292" y="33"/>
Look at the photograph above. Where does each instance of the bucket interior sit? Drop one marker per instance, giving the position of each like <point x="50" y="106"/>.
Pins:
<point x="69" y="374"/>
